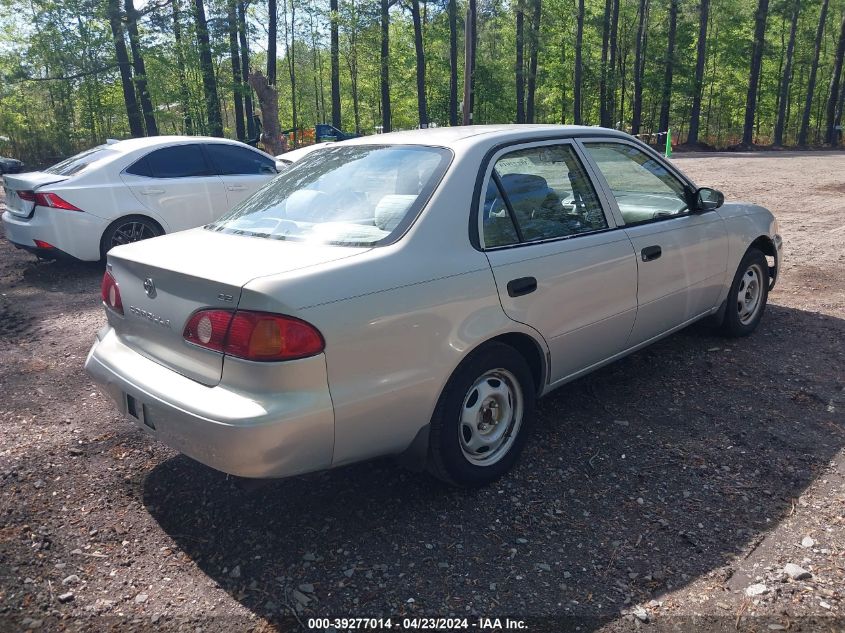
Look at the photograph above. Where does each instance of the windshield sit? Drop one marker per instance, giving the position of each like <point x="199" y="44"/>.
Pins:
<point x="75" y="164"/>
<point x="354" y="195"/>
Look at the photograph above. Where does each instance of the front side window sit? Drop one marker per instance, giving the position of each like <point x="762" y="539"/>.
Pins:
<point x="548" y="194"/>
<point x="177" y="161"/>
<point x="643" y="187"/>
<point x="231" y="160"/>
<point x="359" y="195"/>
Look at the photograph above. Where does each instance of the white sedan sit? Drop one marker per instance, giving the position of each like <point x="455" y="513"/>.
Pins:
<point x="414" y="293"/>
<point x="130" y="190"/>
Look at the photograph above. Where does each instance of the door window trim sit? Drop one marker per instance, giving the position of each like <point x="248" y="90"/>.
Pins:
<point x="486" y="173"/>
<point x="600" y="181"/>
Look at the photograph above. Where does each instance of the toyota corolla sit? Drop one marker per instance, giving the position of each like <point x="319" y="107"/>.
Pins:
<point x="414" y="293"/>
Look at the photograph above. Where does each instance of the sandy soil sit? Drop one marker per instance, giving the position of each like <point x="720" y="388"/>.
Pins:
<point x="671" y="487"/>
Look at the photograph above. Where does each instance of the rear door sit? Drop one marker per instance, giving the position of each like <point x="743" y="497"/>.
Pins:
<point x="559" y="265"/>
<point x="243" y="170"/>
<point x="681" y="256"/>
<point x="178" y="184"/>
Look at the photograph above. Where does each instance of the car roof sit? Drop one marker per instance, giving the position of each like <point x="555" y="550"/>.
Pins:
<point x="147" y="142"/>
<point x="464" y="135"/>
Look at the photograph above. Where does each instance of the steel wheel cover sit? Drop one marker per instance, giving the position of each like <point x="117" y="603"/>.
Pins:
<point x="490" y="417"/>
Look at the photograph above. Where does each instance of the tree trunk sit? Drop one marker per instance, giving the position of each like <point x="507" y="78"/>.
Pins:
<point x="136" y="124"/>
<point x="611" y="76"/>
<point x="140" y="70"/>
<point x="272" y="29"/>
<point x="385" y="66"/>
<point x="335" y="56"/>
<point x="237" y="87"/>
<point x="786" y="79"/>
<point x="291" y="59"/>
<point x="209" y="80"/>
<point x="470" y="39"/>
<point x="532" y="61"/>
<point x="519" y="66"/>
<point x="579" y="41"/>
<point x="184" y="92"/>
<point x="811" y="84"/>
<point x="422" y="106"/>
<point x="639" y="65"/>
<point x="251" y="132"/>
<point x="604" y="115"/>
<point x="453" y="61"/>
<point x="701" y="58"/>
<point x="268" y="100"/>
<point x="666" y="97"/>
<point x="756" y="64"/>
<point x="837" y="120"/>
<point x="831" y="135"/>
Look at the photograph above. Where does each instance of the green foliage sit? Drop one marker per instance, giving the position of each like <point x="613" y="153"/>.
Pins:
<point x="60" y="89"/>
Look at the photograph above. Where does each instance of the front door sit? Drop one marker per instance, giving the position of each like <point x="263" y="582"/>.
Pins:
<point x="242" y="169"/>
<point x="681" y="256"/>
<point x="559" y="266"/>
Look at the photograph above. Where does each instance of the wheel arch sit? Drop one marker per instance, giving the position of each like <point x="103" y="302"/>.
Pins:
<point x="765" y="244"/>
<point x="416" y="456"/>
<point x="124" y="218"/>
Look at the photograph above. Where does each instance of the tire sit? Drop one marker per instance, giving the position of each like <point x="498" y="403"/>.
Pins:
<point x="474" y="438"/>
<point x="132" y="228"/>
<point x="748" y="295"/>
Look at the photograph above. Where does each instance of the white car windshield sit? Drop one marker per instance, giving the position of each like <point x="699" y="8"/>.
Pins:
<point x="355" y="195"/>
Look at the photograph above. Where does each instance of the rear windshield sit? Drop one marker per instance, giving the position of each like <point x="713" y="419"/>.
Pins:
<point x="75" y="164"/>
<point x="355" y="195"/>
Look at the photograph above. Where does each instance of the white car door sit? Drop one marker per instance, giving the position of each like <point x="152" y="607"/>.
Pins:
<point x="178" y="184"/>
<point x="681" y="255"/>
<point x="560" y="267"/>
<point x="242" y="169"/>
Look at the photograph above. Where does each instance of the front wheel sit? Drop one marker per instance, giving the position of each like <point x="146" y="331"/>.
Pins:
<point x="748" y="295"/>
<point x="133" y="228"/>
<point x="481" y="421"/>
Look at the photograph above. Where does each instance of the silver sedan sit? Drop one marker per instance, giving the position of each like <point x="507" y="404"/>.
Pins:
<point x="414" y="293"/>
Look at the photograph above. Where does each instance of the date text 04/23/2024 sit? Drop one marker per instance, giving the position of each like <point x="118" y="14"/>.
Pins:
<point x="422" y="624"/>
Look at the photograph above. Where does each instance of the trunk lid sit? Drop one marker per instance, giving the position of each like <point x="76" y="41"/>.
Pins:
<point x="163" y="281"/>
<point x="30" y="181"/>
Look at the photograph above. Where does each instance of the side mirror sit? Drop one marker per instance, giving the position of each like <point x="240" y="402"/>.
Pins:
<point x="707" y="199"/>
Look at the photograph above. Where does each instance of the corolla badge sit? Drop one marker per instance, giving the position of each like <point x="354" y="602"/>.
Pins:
<point x="150" y="287"/>
<point x="154" y="318"/>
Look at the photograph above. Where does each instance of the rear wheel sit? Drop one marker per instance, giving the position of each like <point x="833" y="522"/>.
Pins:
<point x="482" y="418"/>
<point x="748" y="295"/>
<point x="132" y="228"/>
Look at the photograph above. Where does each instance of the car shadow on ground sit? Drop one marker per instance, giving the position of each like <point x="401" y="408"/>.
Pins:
<point x="638" y="479"/>
<point x="61" y="275"/>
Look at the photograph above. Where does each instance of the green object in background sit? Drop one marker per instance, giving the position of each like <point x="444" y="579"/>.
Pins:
<point x="668" y="153"/>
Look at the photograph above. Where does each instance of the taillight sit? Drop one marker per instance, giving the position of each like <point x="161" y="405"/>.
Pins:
<point x="259" y="336"/>
<point x="208" y="328"/>
<point x="111" y="293"/>
<point x="29" y="196"/>
<point x="54" y="201"/>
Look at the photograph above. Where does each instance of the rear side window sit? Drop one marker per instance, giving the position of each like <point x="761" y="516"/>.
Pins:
<point x="76" y="164"/>
<point x="179" y="161"/>
<point x="548" y="195"/>
<point x="231" y="160"/>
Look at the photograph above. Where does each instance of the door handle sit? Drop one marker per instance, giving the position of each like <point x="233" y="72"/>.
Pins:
<point x="236" y="187"/>
<point x="521" y="286"/>
<point x="152" y="192"/>
<point x="650" y="253"/>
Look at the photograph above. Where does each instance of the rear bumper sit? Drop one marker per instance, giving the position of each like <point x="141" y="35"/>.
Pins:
<point x="72" y="233"/>
<point x="285" y="427"/>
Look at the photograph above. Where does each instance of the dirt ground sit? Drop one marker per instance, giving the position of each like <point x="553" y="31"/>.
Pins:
<point x="666" y="491"/>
